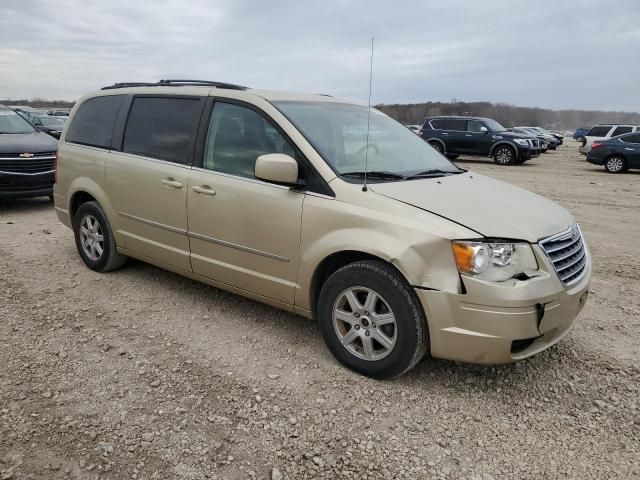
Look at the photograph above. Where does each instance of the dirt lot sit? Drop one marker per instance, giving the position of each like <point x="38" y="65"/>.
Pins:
<point x="143" y="374"/>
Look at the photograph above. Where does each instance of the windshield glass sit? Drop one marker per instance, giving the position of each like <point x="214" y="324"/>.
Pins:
<point x="494" y="126"/>
<point x="52" y="121"/>
<point x="11" y="122"/>
<point x="338" y="132"/>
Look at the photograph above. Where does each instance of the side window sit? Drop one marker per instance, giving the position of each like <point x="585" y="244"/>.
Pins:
<point x="621" y="130"/>
<point x="237" y="136"/>
<point x="475" y="126"/>
<point x="437" y="124"/>
<point x="635" y="138"/>
<point x="457" y="125"/>
<point x="600" y="131"/>
<point x="162" y="128"/>
<point x="94" y="121"/>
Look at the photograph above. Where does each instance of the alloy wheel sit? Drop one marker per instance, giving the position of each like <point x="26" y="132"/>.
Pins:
<point x="364" y="323"/>
<point x="504" y="155"/>
<point x="91" y="237"/>
<point x="615" y="164"/>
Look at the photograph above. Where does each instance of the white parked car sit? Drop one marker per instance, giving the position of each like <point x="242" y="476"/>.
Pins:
<point x="604" y="132"/>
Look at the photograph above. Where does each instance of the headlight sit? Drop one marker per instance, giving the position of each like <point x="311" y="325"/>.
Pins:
<point x="521" y="141"/>
<point x="495" y="262"/>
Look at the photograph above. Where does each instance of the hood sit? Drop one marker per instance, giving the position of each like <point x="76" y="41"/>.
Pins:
<point x="490" y="207"/>
<point x="511" y="135"/>
<point x="36" y="142"/>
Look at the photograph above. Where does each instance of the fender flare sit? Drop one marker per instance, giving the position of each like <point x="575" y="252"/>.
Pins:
<point x="434" y="139"/>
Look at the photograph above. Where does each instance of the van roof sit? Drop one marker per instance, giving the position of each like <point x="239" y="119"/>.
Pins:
<point x="196" y="86"/>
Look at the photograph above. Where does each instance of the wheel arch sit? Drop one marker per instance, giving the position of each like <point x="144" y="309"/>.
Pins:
<point x="84" y="189"/>
<point x="332" y="263"/>
<point x="434" y="139"/>
<point x="504" y="142"/>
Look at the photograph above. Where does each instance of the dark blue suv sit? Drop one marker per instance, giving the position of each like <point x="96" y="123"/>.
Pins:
<point x="453" y="136"/>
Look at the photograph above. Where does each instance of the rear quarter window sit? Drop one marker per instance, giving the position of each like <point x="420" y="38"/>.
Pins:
<point x="598" y="131"/>
<point x="635" y="138"/>
<point x="94" y="121"/>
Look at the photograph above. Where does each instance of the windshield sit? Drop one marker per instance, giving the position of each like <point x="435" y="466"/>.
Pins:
<point x="11" y="122"/>
<point x="338" y="132"/>
<point x="493" y="125"/>
<point x="52" y="121"/>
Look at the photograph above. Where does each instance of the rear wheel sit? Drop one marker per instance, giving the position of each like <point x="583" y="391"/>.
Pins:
<point x="504" y="155"/>
<point x="371" y="320"/>
<point x="615" y="164"/>
<point x="94" y="239"/>
<point x="437" y="146"/>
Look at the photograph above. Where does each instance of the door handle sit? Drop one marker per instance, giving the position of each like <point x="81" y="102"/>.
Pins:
<point x="171" y="182"/>
<point x="467" y="135"/>
<point x="205" y="189"/>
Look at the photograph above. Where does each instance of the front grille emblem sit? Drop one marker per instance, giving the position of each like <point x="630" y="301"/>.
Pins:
<point x="26" y="155"/>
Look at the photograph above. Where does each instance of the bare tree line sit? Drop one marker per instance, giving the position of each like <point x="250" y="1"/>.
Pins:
<point x="508" y="115"/>
<point x="39" y="103"/>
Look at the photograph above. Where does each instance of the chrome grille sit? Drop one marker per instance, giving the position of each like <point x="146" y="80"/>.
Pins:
<point x="568" y="254"/>
<point x="37" y="163"/>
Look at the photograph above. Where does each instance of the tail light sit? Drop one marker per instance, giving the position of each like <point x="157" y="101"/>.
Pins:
<point x="55" y="168"/>
<point x="596" y="145"/>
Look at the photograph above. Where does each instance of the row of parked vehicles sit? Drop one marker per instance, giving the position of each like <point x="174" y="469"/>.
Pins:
<point x="48" y="121"/>
<point x="456" y="135"/>
<point x="614" y="146"/>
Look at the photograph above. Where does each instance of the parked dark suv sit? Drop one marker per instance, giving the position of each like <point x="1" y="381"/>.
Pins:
<point x="27" y="157"/>
<point x="455" y="136"/>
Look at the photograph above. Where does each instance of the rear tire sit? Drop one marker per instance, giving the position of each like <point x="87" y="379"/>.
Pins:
<point x="437" y="146"/>
<point x="504" y="155"/>
<point x="94" y="239"/>
<point x="615" y="164"/>
<point x="357" y="296"/>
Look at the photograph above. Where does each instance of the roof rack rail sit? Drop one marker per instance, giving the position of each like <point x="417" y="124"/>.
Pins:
<point x="176" y="83"/>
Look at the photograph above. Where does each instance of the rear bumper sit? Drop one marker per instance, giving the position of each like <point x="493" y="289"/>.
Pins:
<point x="594" y="160"/>
<point x="492" y="324"/>
<point x="584" y="149"/>
<point x="16" y="185"/>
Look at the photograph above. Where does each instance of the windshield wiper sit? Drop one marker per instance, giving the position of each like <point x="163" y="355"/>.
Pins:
<point x="434" y="172"/>
<point x="376" y="174"/>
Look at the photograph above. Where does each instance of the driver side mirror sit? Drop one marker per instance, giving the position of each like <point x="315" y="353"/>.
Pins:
<point x="277" y="168"/>
<point x="484" y="129"/>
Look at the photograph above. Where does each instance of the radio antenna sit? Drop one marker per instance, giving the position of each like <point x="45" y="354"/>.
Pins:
<point x="366" y="151"/>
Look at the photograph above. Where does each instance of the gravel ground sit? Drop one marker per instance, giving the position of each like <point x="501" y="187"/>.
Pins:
<point x="143" y="374"/>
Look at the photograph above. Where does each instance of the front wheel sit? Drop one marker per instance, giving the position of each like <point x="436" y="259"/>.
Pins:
<point x="615" y="164"/>
<point x="371" y="320"/>
<point x="504" y="155"/>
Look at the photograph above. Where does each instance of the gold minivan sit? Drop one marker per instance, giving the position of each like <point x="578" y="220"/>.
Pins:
<point x="325" y="208"/>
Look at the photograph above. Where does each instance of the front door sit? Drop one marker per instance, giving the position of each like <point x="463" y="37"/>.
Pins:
<point x="244" y="232"/>
<point x="147" y="180"/>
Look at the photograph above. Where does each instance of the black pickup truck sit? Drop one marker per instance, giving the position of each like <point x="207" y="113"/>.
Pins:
<point x="453" y="136"/>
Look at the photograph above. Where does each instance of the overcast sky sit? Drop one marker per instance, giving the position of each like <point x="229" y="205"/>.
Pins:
<point x="559" y="54"/>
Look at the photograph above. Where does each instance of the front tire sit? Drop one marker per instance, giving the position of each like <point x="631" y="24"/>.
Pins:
<point x="615" y="164"/>
<point x="371" y="320"/>
<point x="504" y="155"/>
<point x="94" y="239"/>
